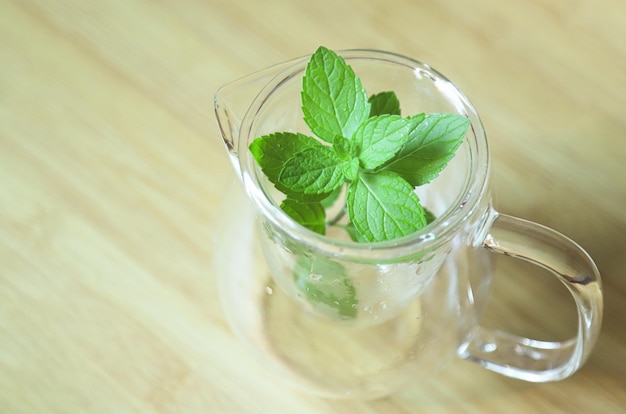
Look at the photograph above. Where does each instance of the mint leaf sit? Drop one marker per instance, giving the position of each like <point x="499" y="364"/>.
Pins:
<point x="431" y="144"/>
<point x="351" y="169"/>
<point x="383" y="206"/>
<point x="429" y="216"/>
<point x="379" y="138"/>
<point x="347" y="151"/>
<point x="345" y="148"/>
<point x="272" y="151"/>
<point x="333" y="99"/>
<point x="313" y="171"/>
<point x="324" y="281"/>
<point x="352" y="232"/>
<point x="310" y="215"/>
<point x="384" y="103"/>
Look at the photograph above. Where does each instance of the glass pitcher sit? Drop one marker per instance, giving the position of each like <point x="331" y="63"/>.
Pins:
<point x="342" y="319"/>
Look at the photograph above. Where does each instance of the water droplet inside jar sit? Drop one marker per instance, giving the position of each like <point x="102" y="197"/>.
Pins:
<point x="315" y="277"/>
<point x="269" y="290"/>
<point x="489" y="347"/>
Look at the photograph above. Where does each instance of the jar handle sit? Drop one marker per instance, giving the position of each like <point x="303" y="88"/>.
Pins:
<point x="529" y="359"/>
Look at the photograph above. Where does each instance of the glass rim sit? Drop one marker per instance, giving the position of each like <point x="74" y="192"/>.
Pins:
<point x="442" y="229"/>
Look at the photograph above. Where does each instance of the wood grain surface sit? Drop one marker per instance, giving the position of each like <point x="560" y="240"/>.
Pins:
<point x="111" y="173"/>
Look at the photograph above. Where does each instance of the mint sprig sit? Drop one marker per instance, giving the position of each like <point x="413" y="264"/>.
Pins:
<point x="364" y="143"/>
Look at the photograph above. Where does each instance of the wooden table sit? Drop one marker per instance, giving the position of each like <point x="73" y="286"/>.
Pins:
<point x="111" y="171"/>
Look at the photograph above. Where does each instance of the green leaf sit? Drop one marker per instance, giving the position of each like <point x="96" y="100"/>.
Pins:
<point x="324" y="281"/>
<point x="352" y="232"/>
<point x="429" y="216"/>
<point x="347" y="151"/>
<point x="313" y="171"/>
<point x="310" y="215"/>
<point x="432" y="142"/>
<point x="302" y="197"/>
<point x="383" y="206"/>
<point x="272" y="151"/>
<point x="384" y="103"/>
<point x="345" y="148"/>
<point x="351" y="169"/>
<point x="379" y="138"/>
<point x="334" y="101"/>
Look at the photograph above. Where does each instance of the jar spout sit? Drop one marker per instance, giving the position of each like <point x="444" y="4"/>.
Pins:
<point x="231" y="104"/>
